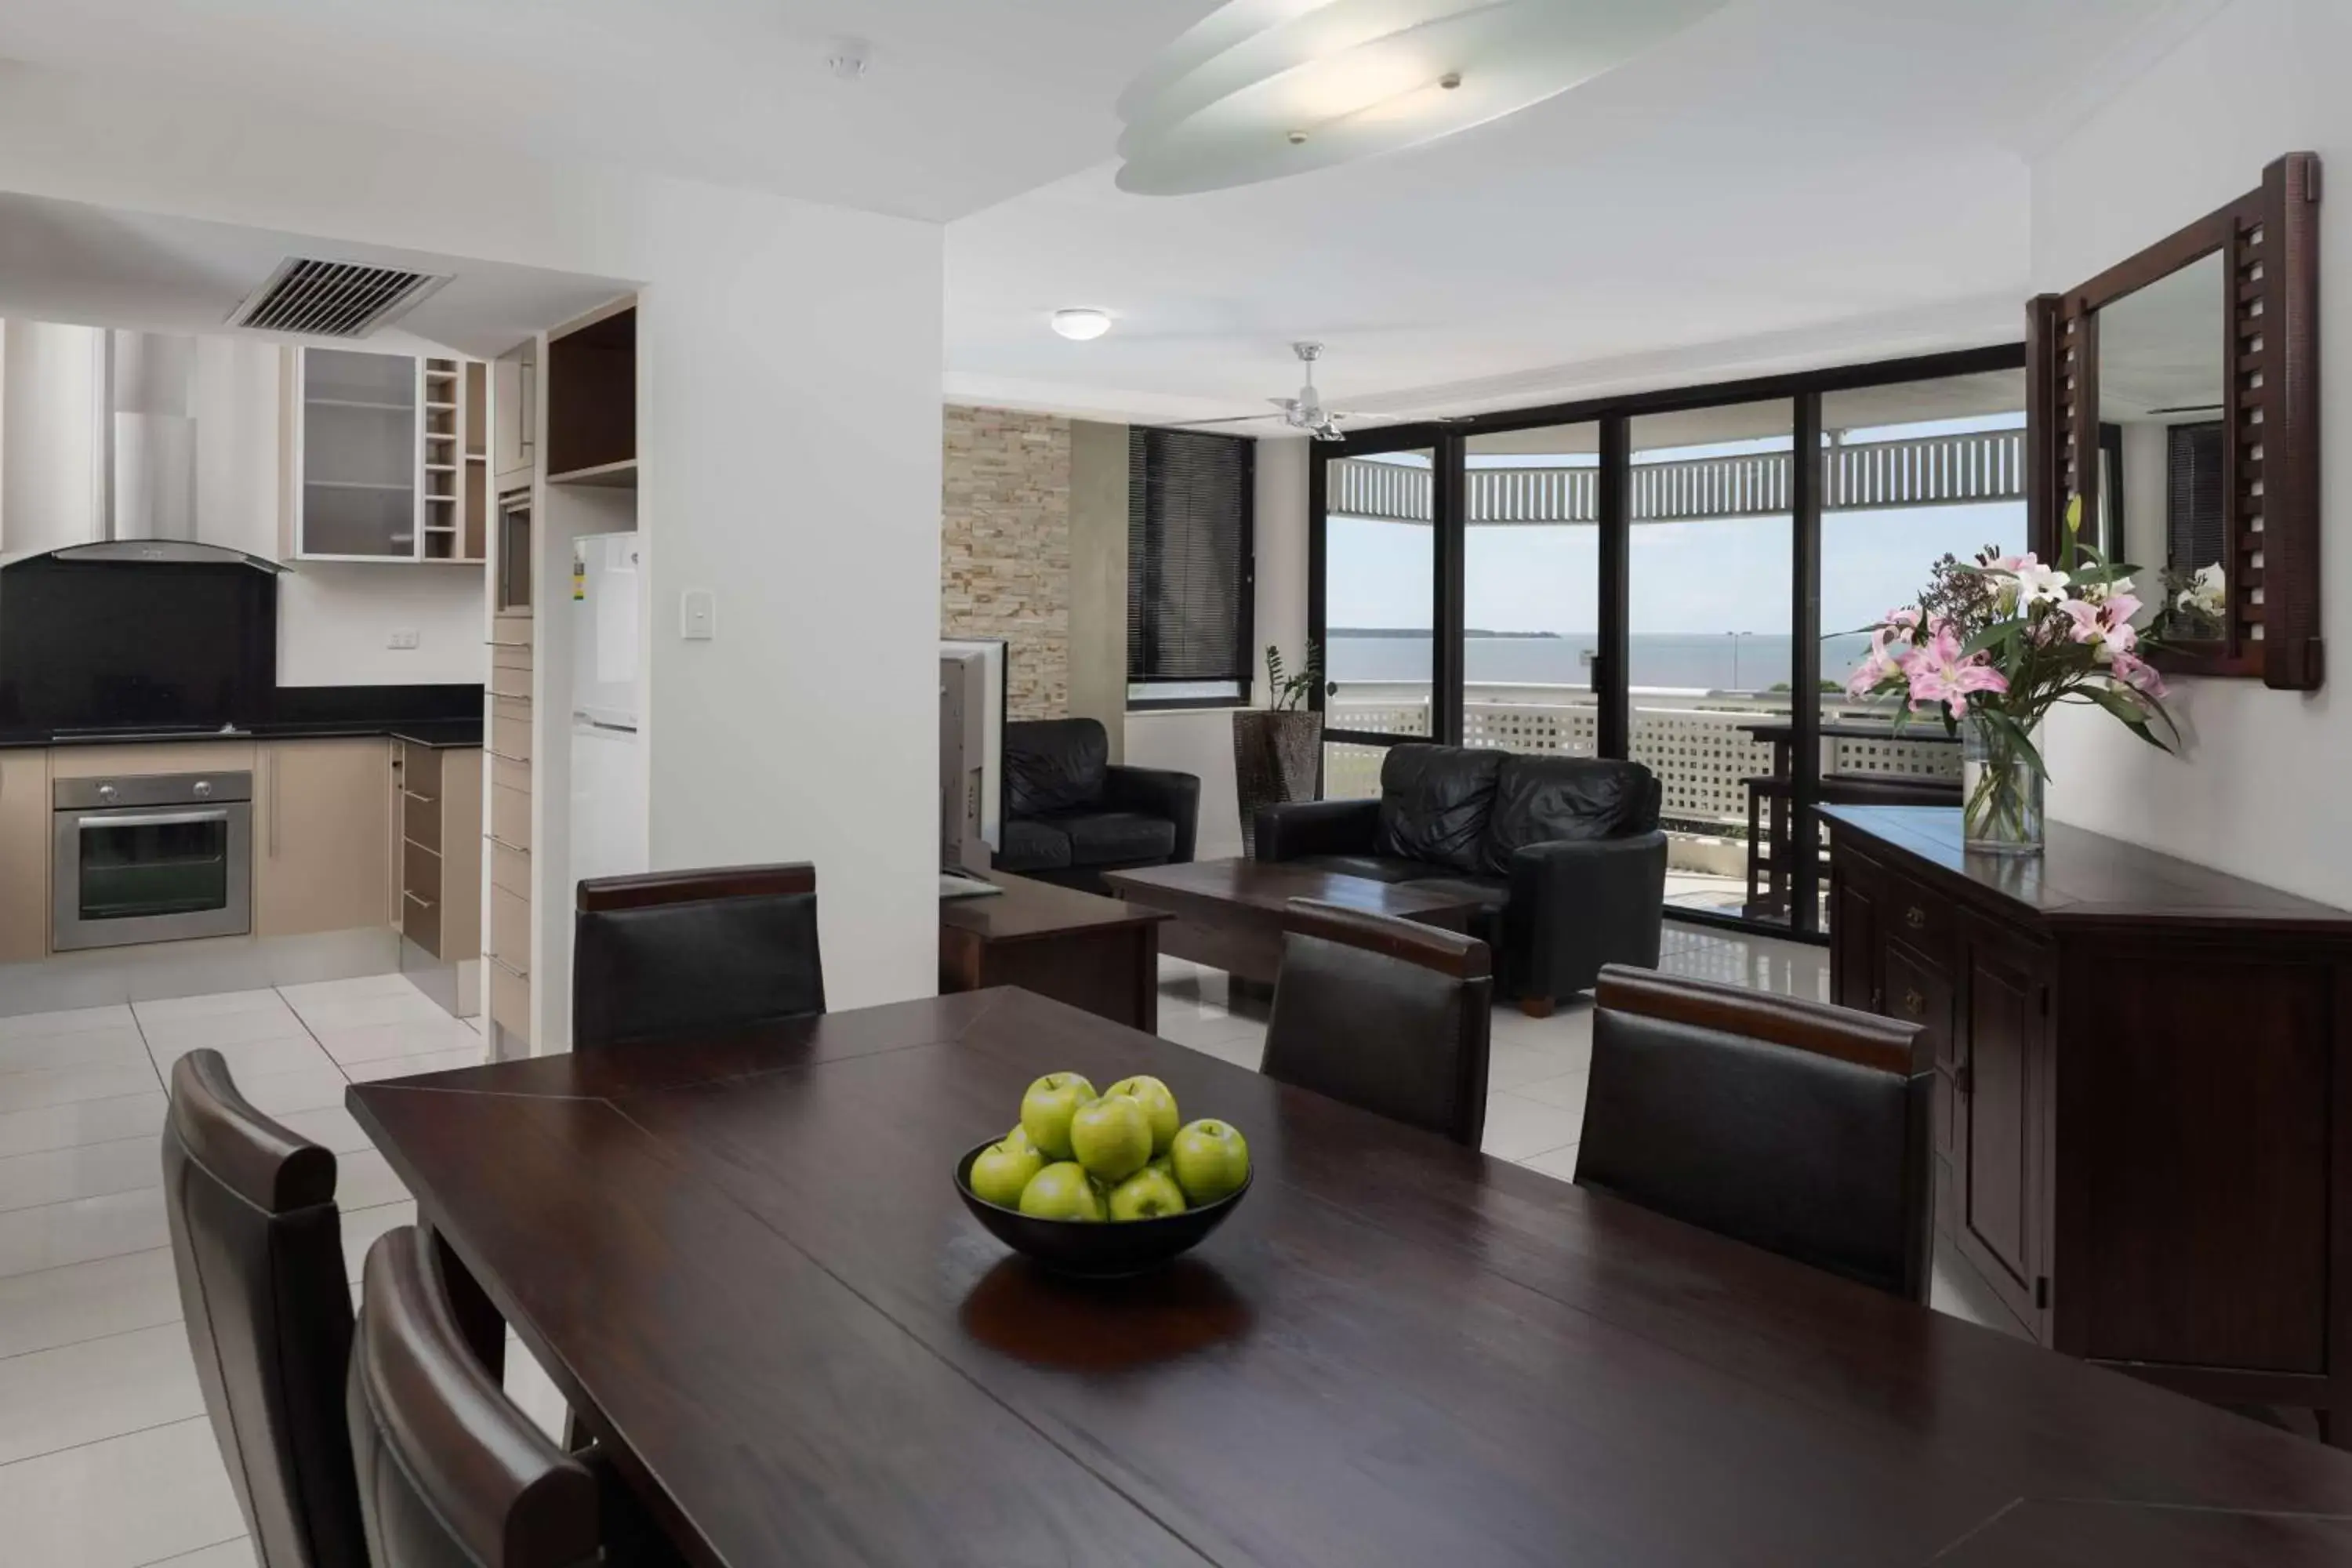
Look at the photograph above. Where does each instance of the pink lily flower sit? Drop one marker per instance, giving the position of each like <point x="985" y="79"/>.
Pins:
<point x="2138" y="673"/>
<point x="1940" y="675"/>
<point x="2106" y="626"/>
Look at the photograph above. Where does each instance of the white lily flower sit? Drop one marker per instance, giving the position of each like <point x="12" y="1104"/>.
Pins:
<point x="2040" y="584"/>
<point x="2100" y="593"/>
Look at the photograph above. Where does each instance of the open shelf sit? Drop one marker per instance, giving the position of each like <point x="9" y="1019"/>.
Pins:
<point x="621" y="475"/>
<point x="592" y="401"/>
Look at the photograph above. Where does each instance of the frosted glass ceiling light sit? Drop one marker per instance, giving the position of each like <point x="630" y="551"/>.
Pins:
<point x="1261" y="88"/>
<point x="1081" y="325"/>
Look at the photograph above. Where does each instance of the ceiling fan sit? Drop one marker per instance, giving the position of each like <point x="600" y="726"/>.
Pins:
<point x="1304" y="412"/>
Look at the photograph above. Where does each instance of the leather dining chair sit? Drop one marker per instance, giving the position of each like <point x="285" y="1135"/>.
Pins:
<point x="672" y="955"/>
<point x="451" y="1473"/>
<point x="257" y="1242"/>
<point x="1795" y="1126"/>
<point x="1387" y="1015"/>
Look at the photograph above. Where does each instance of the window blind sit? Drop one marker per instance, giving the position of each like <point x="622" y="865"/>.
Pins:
<point x="2193" y="495"/>
<point x="1190" y="497"/>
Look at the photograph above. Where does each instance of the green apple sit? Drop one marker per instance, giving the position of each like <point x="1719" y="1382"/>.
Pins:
<point x="1159" y="1103"/>
<point x="1111" y="1137"/>
<point x="1062" y="1191"/>
<point x="1150" y="1194"/>
<point x="1211" y="1159"/>
<point x="1046" y="1109"/>
<point x="1004" y="1169"/>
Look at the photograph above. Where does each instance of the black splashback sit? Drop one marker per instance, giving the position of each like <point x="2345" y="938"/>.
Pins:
<point x="88" y="644"/>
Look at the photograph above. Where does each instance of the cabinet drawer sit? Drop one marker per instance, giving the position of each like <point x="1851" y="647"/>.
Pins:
<point x="510" y="1001"/>
<point x="508" y="681"/>
<point x="510" y="869"/>
<point x="510" y="631"/>
<point x="1919" y="992"/>
<point x="510" y="930"/>
<point x="511" y="728"/>
<point x="510" y="816"/>
<point x="508" y="773"/>
<point x="1918" y="919"/>
<point x="510" y="656"/>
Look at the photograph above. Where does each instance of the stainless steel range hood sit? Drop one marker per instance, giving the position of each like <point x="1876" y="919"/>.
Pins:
<point x="148" y="462"/>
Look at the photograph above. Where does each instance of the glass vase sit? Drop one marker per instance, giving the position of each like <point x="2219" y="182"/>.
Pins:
<point x="2000" y="791"/>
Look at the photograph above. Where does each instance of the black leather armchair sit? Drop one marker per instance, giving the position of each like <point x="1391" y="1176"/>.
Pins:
<point x="1565" y="851"/>
<point x="1070" y="816"/>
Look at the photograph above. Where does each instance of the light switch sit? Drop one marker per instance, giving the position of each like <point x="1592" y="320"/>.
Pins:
<point x="697" y="614"/>
<point x="405" y="637"/>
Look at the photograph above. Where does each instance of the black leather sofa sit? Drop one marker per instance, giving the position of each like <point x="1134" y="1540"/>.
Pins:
<point x="1070" y="816"/>
<point x="1566" y="851"/>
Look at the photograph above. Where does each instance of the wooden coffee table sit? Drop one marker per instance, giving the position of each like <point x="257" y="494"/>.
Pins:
<point x="1228" y="913"/>
<point x="1076" y="947"/>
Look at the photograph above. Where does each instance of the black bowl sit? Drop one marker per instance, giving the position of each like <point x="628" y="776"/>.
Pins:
<point x="1093" y="1249"/>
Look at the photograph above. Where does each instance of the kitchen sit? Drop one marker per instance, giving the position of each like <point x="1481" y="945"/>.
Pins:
<point x="287" y="669"/>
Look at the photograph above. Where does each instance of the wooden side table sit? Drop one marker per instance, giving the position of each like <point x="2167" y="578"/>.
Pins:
<point x="1080" y="948"/>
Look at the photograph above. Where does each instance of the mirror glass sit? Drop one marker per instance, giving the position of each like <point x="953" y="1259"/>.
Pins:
<point x="2162" y="388"/>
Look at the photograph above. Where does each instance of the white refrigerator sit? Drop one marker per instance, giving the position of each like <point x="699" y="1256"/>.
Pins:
<point x="608" y="762"/>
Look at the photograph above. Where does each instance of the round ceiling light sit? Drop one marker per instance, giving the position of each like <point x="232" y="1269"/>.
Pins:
<point x="1081" y="326"/>
<point x="1262" y="89"/>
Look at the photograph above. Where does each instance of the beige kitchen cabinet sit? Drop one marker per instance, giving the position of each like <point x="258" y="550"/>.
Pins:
<point x="24" y="855"/>
<point x="440" y="793"/>
<point x="320" y="826"/>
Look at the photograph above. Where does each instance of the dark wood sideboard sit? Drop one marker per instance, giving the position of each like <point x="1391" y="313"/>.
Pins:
<point x="2144" y="1097"/>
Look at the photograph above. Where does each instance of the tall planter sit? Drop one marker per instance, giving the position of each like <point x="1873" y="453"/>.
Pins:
<point x="1274" y="759"/>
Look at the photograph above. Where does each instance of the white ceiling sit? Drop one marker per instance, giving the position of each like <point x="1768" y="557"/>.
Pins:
<point x="967" y="101"/>
<point x="64" y="261"/>
<point x="1790" y="181"/>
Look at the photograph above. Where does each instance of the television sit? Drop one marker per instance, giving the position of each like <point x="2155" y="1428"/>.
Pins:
<point x="971" y="753"/>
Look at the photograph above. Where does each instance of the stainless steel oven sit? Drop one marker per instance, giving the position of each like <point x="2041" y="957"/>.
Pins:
<point x="153" y="857"/>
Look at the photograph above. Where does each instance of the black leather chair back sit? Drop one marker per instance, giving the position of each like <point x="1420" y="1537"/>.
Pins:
<point x="1548" y="800"/>
<point x="1796" y="1127"/>
<point x="1434" y="804"/>
<point x="1054" y="764"/>
<point x="451" y="1475"/>
<point x="676" y="955"/>
<point x="1390" y="1016"/>
<point x="257" y="1245"/>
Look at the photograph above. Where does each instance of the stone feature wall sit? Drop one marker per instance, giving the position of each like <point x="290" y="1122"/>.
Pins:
<point x="1005" y="547"/>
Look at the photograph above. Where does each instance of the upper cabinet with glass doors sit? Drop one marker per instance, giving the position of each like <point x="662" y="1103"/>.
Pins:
<point x="391" y="458"/>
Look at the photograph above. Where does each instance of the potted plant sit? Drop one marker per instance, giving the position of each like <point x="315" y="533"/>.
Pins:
<point x="1993" y="644"/>
<point x="1276" y="750"/>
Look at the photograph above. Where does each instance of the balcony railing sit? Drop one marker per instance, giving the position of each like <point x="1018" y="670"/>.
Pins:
<point x="1966" y="469"/>
<point x="1701" y="753"/>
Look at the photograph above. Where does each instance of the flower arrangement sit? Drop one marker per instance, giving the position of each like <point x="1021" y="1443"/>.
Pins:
<point x="1991" y="646"/>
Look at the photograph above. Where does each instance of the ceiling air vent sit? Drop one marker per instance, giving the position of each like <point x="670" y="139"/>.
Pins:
<point x="332" y="299"/>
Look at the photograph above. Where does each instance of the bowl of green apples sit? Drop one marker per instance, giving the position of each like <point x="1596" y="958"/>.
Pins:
<point x="1101" y="1186"/>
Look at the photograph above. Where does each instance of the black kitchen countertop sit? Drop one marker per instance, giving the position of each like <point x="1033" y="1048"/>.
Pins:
<point x="441" y="735"/>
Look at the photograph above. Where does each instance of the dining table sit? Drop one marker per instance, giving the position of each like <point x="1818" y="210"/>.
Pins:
<point x="744" y="1263"/>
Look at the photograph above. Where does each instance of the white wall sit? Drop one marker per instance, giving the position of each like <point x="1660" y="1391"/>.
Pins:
<point x="2260" y="790"/>
<point x="1201" y="742"/>
<point x="787" y="444"/>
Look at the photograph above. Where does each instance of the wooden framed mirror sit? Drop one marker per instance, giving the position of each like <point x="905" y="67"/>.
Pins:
<point x="2177" y="395"/>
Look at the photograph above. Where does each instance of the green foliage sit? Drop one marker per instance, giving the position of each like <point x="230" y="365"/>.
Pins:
<point x="1291" y="689"/>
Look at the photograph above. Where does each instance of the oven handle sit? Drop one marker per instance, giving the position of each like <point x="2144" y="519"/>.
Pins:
<point x="149" y="818"/>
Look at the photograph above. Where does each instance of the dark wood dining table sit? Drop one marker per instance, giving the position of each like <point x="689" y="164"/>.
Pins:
<point x="743" y="1263"/>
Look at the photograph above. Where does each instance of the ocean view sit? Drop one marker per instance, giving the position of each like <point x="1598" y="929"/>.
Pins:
<point x="1687" y="661"/>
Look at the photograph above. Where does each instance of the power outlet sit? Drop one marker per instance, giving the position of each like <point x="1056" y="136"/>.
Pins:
<point x="404" y="638"/>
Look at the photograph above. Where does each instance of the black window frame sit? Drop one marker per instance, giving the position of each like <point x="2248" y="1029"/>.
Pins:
<point x="1448" y="440"/>
<point x="1243" y="663"/>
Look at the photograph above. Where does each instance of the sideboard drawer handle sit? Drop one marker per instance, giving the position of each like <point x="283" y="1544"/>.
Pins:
<point x="1913" y="1004"/>
<point x="1915" y="917"/>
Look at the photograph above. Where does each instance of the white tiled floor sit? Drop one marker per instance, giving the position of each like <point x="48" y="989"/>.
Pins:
<point x="105" y="1461"/>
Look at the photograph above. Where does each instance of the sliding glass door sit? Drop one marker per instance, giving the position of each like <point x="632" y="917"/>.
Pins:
<point x="1379" y="635"/>
<point x="1710" y="640"/>
<point x="1531" y="590"/>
